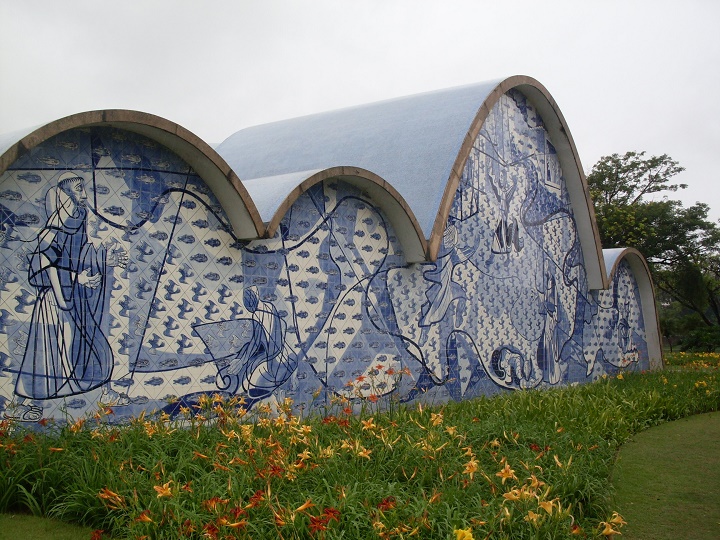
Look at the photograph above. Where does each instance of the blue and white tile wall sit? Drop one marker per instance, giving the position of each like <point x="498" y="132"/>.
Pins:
<point x="614" y="334"/>
<point x="507" y="303"/>
<point x="121" y="281"/>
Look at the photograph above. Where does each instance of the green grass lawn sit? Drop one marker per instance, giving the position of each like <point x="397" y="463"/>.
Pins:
<point x="26" y="527"/>
<point x="668" y="481"/>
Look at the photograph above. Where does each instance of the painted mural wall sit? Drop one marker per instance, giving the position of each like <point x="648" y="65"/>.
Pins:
<point x="121" y="282"/>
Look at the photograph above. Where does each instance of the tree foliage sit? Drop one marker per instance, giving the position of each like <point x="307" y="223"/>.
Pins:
<point x="633" y="209"/>
<point x="626" y="180"/>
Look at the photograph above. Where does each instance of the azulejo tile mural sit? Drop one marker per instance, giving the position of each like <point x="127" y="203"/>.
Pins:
<point x="122" y="282"/>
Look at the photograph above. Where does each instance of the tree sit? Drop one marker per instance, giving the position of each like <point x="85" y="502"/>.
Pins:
<point x="630" y="194"/>
<point x="626" y="180"/>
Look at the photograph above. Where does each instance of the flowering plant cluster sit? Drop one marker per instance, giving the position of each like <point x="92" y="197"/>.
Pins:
<point x="694" y="360"/>
<point x="519" y="465"/>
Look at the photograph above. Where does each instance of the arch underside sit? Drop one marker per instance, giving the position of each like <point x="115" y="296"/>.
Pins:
<point x="276" y="196"/>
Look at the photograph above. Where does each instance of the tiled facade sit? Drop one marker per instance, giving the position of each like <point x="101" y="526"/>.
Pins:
<point x="324" y="303"/>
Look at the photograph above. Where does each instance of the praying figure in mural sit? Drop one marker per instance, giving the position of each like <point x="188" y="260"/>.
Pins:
<point x="507" y="234"/>
<point x="625" y="337"/>
<point x="446" y="303"/>
<point x="67" y="352"/>
<point x="443" y="290"/>
<point x="264" y="362"/>
<point x="549" y="346"/>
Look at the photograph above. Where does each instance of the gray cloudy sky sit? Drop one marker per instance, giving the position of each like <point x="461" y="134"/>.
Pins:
<point x="627" y="75"/>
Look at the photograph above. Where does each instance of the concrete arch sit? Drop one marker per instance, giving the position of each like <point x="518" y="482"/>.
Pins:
<point x="397" y="210"/>
<point x="220" y="178"/>
<point x="641" y="271"/>
<point x="576" y="182"/>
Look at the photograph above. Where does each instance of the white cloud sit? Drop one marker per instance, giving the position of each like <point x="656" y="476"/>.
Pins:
<point x="627" y="75"/>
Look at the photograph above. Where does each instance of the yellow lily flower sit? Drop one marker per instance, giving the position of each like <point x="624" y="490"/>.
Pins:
<point x="532" y="517"/>
<point x="535" y="483"/>
<point x="608" y="530"/>
<point x="506" y="473"/>
<point x="547" y="506"/>
<point x="463" y="534"/>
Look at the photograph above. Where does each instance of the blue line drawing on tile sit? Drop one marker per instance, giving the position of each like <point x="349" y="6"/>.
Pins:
<point x="67" y="350"/>
<point x="330" y="297"/>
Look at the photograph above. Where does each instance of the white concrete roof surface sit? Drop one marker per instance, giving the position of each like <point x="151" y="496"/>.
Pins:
<point x="407" y="152"/>
<point x="411" y="142"/>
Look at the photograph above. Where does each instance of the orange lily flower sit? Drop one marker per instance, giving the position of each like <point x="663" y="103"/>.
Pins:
<point x="307" y="504"/>
<point x="211" y="504"/>
<point x="164" y="490"/>
<point x="113" y="500"/>
<point x="237" y="524"/>
<point x="144" y="517"/>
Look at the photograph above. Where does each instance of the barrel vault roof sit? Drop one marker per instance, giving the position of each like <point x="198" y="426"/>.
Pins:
<point x="407" y="152"/>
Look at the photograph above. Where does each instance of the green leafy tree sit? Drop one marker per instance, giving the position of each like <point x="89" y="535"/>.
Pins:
<point x="633" y="209"/>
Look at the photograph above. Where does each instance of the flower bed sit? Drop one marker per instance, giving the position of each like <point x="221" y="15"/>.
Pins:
<point x="519" y="465"/>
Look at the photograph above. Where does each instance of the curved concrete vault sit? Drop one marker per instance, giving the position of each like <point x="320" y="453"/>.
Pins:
<point x="401" y="145"/>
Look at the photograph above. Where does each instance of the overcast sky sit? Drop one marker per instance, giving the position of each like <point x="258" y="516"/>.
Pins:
<point x="627" y="75"/>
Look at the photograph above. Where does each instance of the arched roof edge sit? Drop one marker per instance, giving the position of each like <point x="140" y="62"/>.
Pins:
<point x="221" y="179"/>
<point x="406" y="226"/>
<point x="641" y="272"/>
<point x="569" y="160"/>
